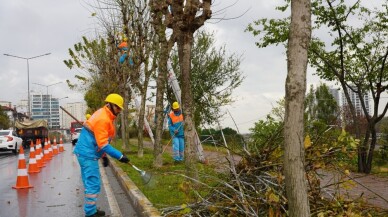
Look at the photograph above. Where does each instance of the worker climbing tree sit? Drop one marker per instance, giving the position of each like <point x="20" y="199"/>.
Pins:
<point x="124" y="51"/>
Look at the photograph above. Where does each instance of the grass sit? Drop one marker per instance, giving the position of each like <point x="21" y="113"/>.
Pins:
<point x="168" y="186"/>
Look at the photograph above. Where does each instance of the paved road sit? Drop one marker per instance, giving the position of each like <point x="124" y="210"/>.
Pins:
<point x="57" y="190"/>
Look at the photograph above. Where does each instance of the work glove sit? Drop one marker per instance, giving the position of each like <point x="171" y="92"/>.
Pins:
<point x="105" y="161"/>
<point x="124" y="159"/>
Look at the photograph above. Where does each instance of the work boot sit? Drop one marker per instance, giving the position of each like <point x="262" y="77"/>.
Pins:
<point x="99" y="213"/>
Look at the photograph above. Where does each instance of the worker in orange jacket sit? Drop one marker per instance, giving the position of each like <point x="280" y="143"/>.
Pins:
<point x="175" y="125"/>
<point x="93" y="143"/>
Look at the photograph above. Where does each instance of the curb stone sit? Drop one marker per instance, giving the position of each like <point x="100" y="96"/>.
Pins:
<point x="141" y="203"/>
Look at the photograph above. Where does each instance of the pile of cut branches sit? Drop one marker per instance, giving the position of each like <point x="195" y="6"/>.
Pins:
<point x="256" y="185"/>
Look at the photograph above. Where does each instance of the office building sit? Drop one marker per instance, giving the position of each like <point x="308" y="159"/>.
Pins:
<point x="46" y="107"/>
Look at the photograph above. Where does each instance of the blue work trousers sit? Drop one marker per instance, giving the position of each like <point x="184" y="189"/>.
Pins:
<point x="92" y="183"/>
<point x="178" y="147"/>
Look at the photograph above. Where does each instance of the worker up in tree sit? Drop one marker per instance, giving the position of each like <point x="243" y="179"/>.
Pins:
<point x="93" y="142"/>
<point x="123" y="48"/>
<point x="175" y="125"/>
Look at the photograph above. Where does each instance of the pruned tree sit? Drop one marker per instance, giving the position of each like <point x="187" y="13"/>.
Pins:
<point x="159" y="13"/>
<point x="184" y="18"/>
<point x="298" y="42"/>
<point x="141" y="47"/>
<point x="215" y="75"/>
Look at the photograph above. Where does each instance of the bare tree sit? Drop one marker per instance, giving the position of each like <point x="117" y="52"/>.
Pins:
<point x="298" y="42"/>
<point x="159" y="13"/>
<point x="184" y="18"/>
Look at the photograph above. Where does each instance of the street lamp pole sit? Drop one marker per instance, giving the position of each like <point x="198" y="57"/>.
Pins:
<point x="48" y="99"/>
<point x="28" y="77"/>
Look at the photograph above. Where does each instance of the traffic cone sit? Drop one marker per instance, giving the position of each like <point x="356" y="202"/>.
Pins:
<point x="22" y="179"/>
<point x="50" y="148"/>
<point x="61" y="148"/>
<point x="55" y="147"/>
<point x="38" y="154"/>
<point x="32" y="166"/>
<point x="46" y="152"/>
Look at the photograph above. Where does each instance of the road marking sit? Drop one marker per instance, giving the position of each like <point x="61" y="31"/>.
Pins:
<point x="113" y="205"/>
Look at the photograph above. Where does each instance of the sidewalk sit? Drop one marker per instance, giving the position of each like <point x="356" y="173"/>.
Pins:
<point x="373" y="189"/>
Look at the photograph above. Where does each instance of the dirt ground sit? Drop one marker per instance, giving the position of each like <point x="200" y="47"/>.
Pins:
<point x="373" y="189"/>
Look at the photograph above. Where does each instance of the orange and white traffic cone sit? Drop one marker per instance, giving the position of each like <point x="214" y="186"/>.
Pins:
<point x="46" y="156"/>
<point x="61" y="148"/>
<point x="50" y="148"/>
<point x="55" y="147"/>
<point x="22" y="179"/>
<point x="38" y="154"/>
<point x="32" y="166"/>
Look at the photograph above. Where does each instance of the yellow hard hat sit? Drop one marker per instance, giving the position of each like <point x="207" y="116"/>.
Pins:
<point x="87" y="116"/>
<point x="115" y="99"/>
<point x="175" y="105"/>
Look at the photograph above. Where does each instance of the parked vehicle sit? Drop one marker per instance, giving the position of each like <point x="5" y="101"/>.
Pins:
<point x="10" y="141"/>
<point x="75" y="135"/>
<point x="75" y="125"/>
<point x="31" y="131"/>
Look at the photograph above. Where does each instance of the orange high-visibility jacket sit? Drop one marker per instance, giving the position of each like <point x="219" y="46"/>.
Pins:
<point x="101" y="124"/>
<point x="175" y="122"/>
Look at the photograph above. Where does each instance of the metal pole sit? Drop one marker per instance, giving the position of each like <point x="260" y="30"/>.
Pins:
<point x="49" y="103"/>
<point x="28" y="92"/>
<point x="28" y="77"/>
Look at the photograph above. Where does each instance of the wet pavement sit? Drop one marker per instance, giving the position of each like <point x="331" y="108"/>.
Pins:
<point x="57" y="189"/>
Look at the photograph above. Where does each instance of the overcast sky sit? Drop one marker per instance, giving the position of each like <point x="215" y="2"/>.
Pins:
<point x="32" y="28"/>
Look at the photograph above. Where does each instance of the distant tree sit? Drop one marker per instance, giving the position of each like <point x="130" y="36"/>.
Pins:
<point x="4" y="119"/>
<point x="266" y="132"/>
<point x="321" y="110"/>
<point x="231" y="136"/>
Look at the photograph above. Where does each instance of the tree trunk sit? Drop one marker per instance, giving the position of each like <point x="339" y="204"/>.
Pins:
<point x="140" y="132"/>
<point x="160" y="87"/>
<point x="371" y="147"/>
<point x="298" y="41"/>
<point x="185" y="41"/>
<point x="124" y="117"/>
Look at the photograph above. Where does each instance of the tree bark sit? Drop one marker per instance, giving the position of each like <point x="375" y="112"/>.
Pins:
<point x="185" y="42"/>
<point x="298" y="42"/>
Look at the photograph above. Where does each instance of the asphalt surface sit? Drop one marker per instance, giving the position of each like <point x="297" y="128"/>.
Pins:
<point x="57" y="189"/>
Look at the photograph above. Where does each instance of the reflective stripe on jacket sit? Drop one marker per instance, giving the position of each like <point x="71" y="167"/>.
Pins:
<point x="176" y="123"/>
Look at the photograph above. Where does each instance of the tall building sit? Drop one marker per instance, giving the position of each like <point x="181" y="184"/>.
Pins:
<point x="46" y="107"/>
<point x="77" y="109"/>
<point x="356" y="101"/>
